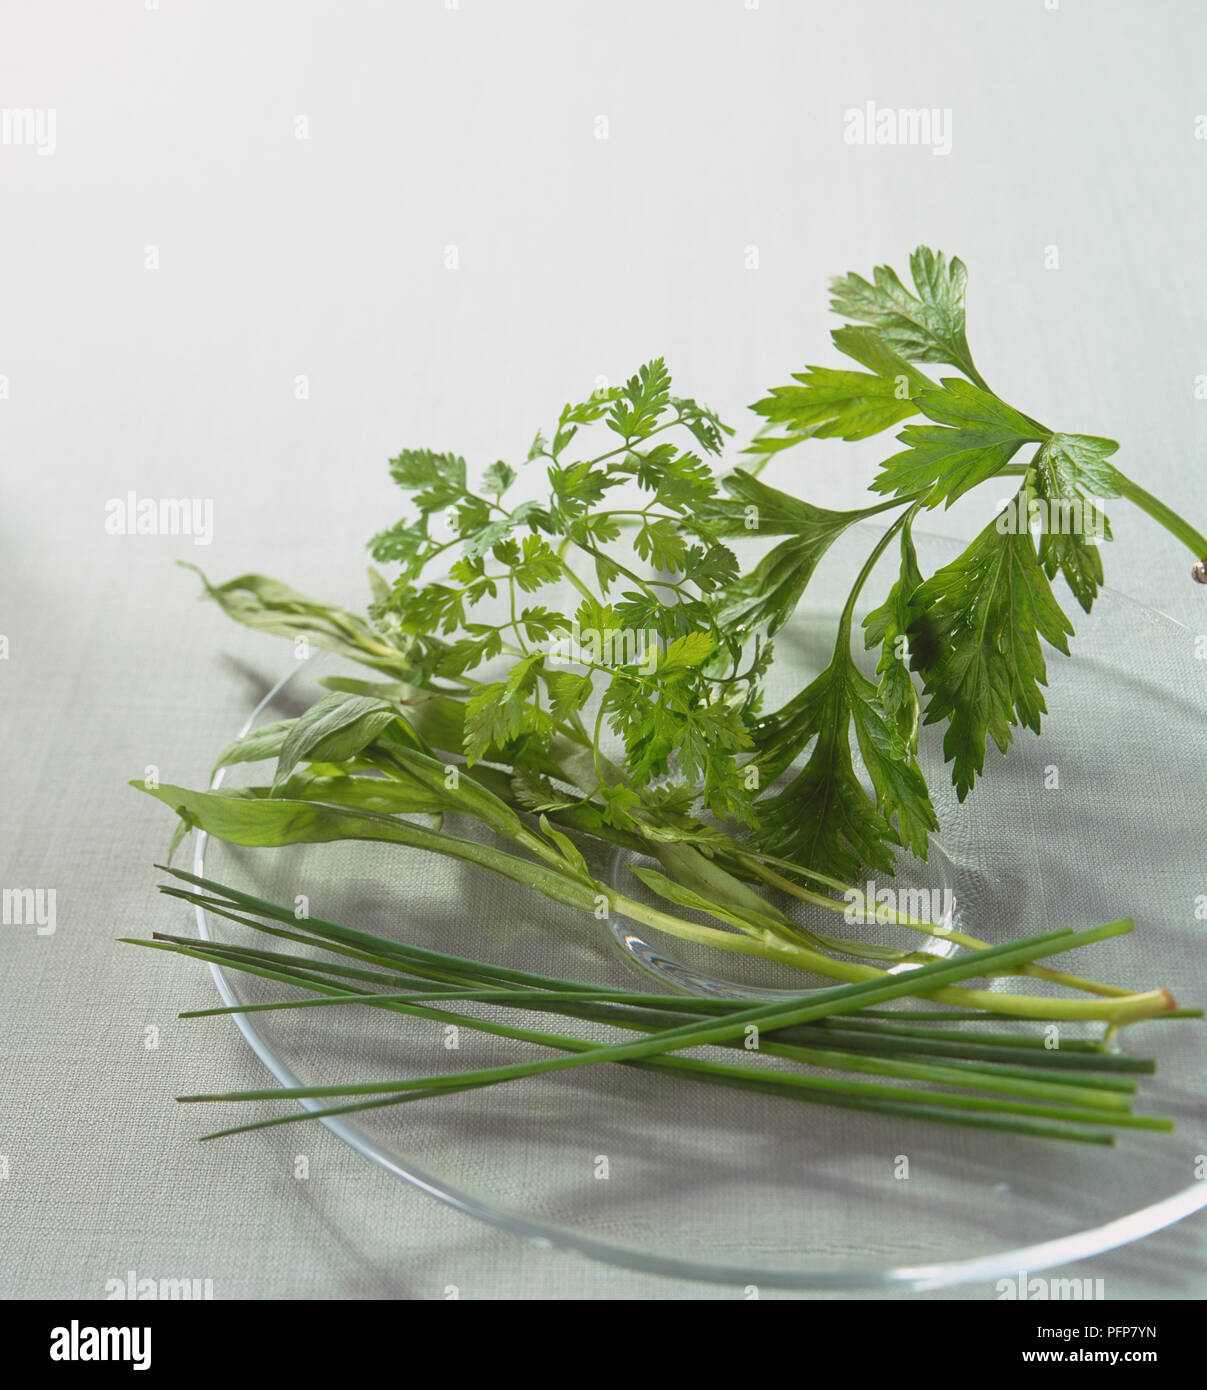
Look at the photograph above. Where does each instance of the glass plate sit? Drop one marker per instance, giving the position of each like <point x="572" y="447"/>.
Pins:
<point x="1101" y="818"/>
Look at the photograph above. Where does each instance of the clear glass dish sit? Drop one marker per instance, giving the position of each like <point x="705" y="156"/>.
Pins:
<point x="1101" y="818"/>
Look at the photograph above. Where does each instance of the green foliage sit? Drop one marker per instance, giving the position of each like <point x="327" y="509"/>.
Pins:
<point x="975" y="436"/>
<point x="977" y="631"/>
<point x="829" y="402"/>
<point x="927" y="326"/>
<point x="1067" y="473"/>
<point x="826" y="817"/>
<point x="887" y="627"/>
<point x="666" y="641"/>
<point x="482" y="717"/>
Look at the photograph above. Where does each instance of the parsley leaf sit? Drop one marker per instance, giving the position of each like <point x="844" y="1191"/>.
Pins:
<point x="768" y="594"/>
<point x="976" y="638"/>
<point x="887" y="627"/>
<point x="824" y="818"/>
<point x="974" y="437"/>
<point x="828" y="403"/>
<point x="1068" y="471"/>
<point x="924" y="327"/>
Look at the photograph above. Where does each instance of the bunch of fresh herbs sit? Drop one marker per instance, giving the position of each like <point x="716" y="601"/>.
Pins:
<point x="634" y="714"/>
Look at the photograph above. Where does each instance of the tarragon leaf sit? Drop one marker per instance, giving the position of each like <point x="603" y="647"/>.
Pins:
<point x="334" y="729"/>
<point x="264" y="742"/>
<point x="267" y="605"/>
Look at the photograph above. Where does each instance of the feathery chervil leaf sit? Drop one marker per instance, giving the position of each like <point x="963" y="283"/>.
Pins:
<point x="496" y="714"/>
<point x="498" y="478"/>
<point x="404" y="543"/>
<point x="976" y="638"/>
<point x="703" y="424"/>
<point x="538" y="564"/>
<point x="644" y="398"/>
<point x="660" y="543"/>
<point x="974" y="436"/>
<point x="711" y="568"/>
<point x="438" y="480"/>
<point x="669" y="724"/>
<point x="686" y="652"/>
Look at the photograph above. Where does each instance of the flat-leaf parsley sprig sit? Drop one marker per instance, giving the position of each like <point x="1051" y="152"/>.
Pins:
<point x="975" y="630"/>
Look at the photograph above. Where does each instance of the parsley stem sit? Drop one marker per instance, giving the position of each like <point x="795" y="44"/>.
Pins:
<point x="848" y="612"/>
<point x="1176" y="525"/>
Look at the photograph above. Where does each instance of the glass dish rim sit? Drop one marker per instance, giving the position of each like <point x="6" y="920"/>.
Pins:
<point x="916" y="1278"/>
